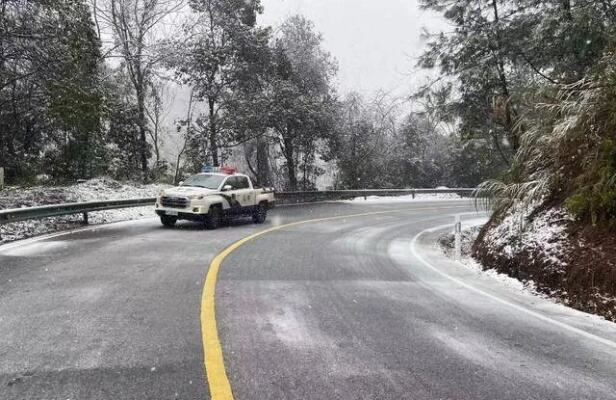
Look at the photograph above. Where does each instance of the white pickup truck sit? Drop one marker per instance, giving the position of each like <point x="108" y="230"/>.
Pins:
<point x="213" y="197"/>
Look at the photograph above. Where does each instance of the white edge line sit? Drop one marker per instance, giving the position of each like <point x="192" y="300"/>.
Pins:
<point x="517" y="307"/>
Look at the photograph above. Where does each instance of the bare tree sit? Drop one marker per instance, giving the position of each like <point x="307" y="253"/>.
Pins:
<point x="157" y="110"/>
<point x="133" y="24"/>
<point x="185" y="138"/>
<point x="221" y="55"/>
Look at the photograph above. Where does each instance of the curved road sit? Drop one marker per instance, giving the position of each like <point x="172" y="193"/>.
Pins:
<point x="349" y="308"/>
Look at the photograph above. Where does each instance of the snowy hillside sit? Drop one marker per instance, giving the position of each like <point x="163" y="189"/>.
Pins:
<point x="569" y="261"/>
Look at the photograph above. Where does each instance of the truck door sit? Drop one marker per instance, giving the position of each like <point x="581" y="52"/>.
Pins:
<point x="245" y="195"/>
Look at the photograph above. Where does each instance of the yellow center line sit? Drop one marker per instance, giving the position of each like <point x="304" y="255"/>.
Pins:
<point x="220" y="388"/>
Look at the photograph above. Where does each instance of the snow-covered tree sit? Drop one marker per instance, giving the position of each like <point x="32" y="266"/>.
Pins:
<point x="301" y="96"/>
<point x="221" y="55"/>
<point x="50" y="92"/>
<point x="134" y="24"/>
<point x="515" y="73"/>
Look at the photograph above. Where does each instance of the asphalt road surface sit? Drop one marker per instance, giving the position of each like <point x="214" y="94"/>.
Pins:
<point x="347" y="308"/>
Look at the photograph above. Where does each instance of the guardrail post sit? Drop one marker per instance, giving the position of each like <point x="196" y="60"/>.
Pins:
<point x="413" y="194"/>
<point x="85" y="218"/>
<point x="458" y="239"/>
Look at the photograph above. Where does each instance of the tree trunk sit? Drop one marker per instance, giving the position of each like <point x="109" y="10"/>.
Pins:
<point x="355" y="171"/>
<point x="305" y="169"/>
<point x="567" y="9"/>
<point x="156" y="148"/>
<point x="176" y="175"/>
<point x="143" y="143"/>
<point x="213" y="138"/>
<point x="289" y="157"/>
<point x="263" y="172"/>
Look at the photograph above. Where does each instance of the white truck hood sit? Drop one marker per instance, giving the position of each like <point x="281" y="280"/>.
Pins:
<point x="188" y="191"/>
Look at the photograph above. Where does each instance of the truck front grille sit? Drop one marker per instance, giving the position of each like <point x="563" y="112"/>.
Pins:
<point x="174" y="202"/>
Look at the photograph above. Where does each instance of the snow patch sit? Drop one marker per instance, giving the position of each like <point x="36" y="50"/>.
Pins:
<point x="470" y="231"/>
<point x="405" y="198"/>
<point x="504" y="279"/>
<point x="91" y="190"/>
<point x="546" y="235"/>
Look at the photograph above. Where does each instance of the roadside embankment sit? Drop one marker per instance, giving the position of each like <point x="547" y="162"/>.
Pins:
<point x="565" y="260"/>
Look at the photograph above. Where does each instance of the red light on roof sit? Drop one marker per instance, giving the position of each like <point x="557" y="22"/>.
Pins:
<point x="227" y="170"/>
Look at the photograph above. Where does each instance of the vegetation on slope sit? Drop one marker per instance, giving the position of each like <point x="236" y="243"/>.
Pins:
<point x="538" y="79"/>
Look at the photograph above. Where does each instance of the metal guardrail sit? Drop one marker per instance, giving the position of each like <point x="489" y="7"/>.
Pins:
<point x="329" y="195"/>
<point x="54" y="210"/>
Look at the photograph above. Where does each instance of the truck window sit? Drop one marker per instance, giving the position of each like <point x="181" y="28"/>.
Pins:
<point x="237" y="182"/>
<point x="208" y="181"/>
<point x="242" y="182"/>
<point x="231" y="182"/>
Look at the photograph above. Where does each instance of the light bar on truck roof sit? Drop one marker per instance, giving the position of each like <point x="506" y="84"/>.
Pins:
<point x="222" y="169"/>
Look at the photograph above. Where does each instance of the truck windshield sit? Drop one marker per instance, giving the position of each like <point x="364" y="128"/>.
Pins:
<point x="208" y="181"/>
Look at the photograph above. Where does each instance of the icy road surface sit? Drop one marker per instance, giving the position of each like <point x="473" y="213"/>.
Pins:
<point x="356" y="308"/>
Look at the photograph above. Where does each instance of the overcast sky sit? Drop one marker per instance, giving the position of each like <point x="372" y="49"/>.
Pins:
<point x="376" y="42"/>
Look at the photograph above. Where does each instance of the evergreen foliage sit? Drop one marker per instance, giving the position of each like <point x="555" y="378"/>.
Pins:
<point x="538" y="77"/>
<point x="51" y="103"/>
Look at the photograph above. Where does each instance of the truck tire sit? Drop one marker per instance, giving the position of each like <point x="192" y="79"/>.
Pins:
<point x="168" y="221"/>
<point x="213" y="219"/>
<point x="260" y="213"/>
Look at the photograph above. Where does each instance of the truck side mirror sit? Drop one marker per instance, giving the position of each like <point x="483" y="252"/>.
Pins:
<point x="226" y="188"/>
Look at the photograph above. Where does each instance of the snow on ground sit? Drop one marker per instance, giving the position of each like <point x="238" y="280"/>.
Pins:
<point x="513" y="283"/>
<point x="91" y="190"/>
<point x="546" y="235"/>
<point x="405" y="198"/>
<point x="470" y="231"/>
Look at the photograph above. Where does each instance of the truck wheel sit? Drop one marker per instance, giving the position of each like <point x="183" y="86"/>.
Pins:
<point x="168" y="220"/>
<point x="213" y="218"/>
<point x="260" y="214"/>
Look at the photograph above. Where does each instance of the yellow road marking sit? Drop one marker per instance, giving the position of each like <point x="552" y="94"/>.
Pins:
<point x="220" y="388"/>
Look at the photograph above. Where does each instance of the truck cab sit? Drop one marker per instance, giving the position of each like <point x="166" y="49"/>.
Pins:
<point x="212" y="197"/>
